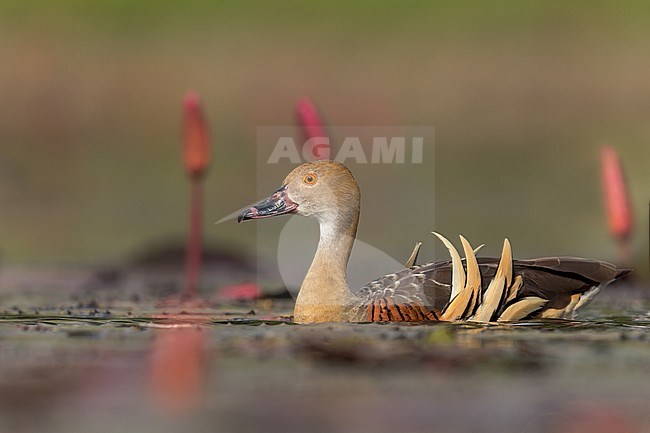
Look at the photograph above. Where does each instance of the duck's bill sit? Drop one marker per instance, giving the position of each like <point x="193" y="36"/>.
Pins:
<point x="277" y="204"/>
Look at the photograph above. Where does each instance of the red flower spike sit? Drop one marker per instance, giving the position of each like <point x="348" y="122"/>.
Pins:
<point x="196" y="138"/>
<point x="196" y="151"/>
<point x="615" y="193"/>
<point x="314" y="132"/>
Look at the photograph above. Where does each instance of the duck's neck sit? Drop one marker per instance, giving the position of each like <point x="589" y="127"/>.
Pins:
<point x="324" y="295"/>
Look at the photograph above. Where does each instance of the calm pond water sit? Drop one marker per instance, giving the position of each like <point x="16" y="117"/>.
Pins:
<point x="133" y="367"/>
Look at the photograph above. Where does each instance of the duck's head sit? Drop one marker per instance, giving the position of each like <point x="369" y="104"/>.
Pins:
<point x="325" y="190"/>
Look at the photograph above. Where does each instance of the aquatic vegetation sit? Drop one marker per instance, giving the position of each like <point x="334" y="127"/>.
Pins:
<point x="196" y="154"/>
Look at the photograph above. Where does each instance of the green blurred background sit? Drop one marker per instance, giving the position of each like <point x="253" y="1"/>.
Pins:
<point x="522" y="95"/>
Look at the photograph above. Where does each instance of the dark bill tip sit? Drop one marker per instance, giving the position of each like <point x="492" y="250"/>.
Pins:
<point x="247" y="214"/>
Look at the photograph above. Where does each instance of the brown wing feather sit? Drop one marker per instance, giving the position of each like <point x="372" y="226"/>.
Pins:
<point x="554" y="279"/>
<point x="591" y="271"/>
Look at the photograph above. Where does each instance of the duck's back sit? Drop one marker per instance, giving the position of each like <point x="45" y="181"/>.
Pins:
<point x="554" y="287"/>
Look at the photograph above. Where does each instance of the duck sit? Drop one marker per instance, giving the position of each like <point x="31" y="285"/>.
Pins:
<point x="484" y="289"/>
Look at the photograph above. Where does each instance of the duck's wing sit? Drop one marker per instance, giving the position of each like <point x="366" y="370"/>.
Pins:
<point x="553" y="287"/>
<point x="568" y="283"/>
<point x="485" y="289"/>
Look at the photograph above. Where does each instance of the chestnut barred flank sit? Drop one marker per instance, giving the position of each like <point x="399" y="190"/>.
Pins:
<point x="386" y="310"/>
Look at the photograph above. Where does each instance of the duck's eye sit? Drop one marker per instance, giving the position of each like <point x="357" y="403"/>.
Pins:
<point x="310" y="178"/>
